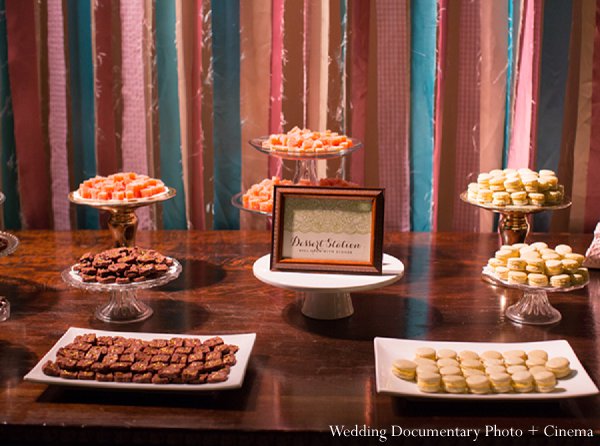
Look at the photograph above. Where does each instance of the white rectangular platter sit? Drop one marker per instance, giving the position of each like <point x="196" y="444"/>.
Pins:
<point x="245" y="342"/>
<point x="387" y="350"/>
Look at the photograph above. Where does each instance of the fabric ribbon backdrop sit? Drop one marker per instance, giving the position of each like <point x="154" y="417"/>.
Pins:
<point x="438" y="90"/>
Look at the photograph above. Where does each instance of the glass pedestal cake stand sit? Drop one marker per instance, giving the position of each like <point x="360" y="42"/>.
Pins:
<point x="533" y="308"/>
<point x="513" y="226"/>
<point x="123" y="221"/>
<point x="306" y="163"/>
<point x="123" y="306"/>
<point x="327" y="296"/>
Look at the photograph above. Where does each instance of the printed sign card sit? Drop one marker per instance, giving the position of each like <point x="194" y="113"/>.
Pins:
<point x="331" y="230"/>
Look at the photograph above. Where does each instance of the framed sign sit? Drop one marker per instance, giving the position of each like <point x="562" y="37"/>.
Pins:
<point x="327" y="230"/>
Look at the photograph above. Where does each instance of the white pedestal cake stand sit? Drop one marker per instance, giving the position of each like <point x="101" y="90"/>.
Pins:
<point x="327" y="296"/>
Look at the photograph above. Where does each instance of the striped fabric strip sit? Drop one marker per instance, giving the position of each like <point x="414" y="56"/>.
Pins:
<point x="318" y="48"/>
<point x="423" y="72"/>
<point x="79" y="23"/>
<point x="292" y="107"/>
<point x="107" y="77"/>
<point x="553" y="78"/>
<point x="592" y="208"/>
<point x="447" y="118"/>
<point x="207" y="113"/>
<point x="581" y="149"/>
<point x="560" y="220"/>
<point x="359" y="16"/>
<point x="441" y="47"/>
<point x="133" y="139"/>
<point x="227" y="132"/>
<point x="255" y="43"/>
<point x="184" y="43"/>
<point x="168" y="103"/>
<point x="277" y="51"/>
<point x="466" y="218"/>
<point x="33" y="160"/>
<point x="57" y="118"/>
<point x="195" y="156"/>
<point x="512" y="42"/>
<point x="8" y="152"/>
<point x="393" y="96"/>
<point x="495" y="64"/>
<point x="522" y="146"/>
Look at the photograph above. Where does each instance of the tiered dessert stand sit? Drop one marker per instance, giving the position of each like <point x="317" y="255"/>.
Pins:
<point x="533" y="307"/>
<point x="513" y="226"/>
<point x="123" y="221"/>
<point x="123" y="305"/>
<point x="305" y="168"/>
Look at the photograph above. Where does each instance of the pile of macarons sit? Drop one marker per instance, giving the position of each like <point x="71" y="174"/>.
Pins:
<point x="521" y="187"/>
<point x="538" y="265"/>
<point x="513" y="371"/>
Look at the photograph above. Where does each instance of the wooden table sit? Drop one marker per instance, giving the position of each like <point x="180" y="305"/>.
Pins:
<point x="304" y="375"/>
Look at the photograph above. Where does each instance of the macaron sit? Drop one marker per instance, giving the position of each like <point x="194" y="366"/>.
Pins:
<point x="485" y="196"/>
<point x="491" y="354"/>
<point x="429" y="382"/>
<point x="488" y="362"/>
<point x="446" y="353"/>
<point x="516" y="264"/>
<point x="570" y="265"/>
<point x="577" y="279"/>
<point x="560" y="281"/>
<point x="522" y="382"/>
<point x="467" y="354"/>
<point x="454" y="383"/>
<point x="427" y="369"/>
<point x="517" y="277"/>
<point x="501" y="382"/>
<point x="535" y="362"/>
<point x="536" y="369"/>
<point x="447" y="362"/>
<point x="536" y="198"/>
<point x="512" y="369"/>
<point x="425" y="361"/>
<point x="547" y="173"/>
<point x="404" y="369"/>
<point x="536" y="279"/>
<point x="472" y="372"/>
<point x="535" y="265"/>
<point x="539" y="245"/>
<point x="513" y="360"/>
<point x="489" y="370"/>
<point x="579" y="258"/>
<point x="471" y="364"/>
<point x="554" y="267"/>
<point x="515" y="352"/>
<point x="551" y="256"/>
<point x="563" y="249"/>
<point x="584" y="272"/>
<point x="495" y="263"/>
<point x="425" y="352"/>
<point x="449" y="370"/>
<point x="559" y="365"/>
<point x="545" y="381"/>
<point x="538" y="354"/>
<point x="483" y="179"/>
<point x="501" y="272"/>
<point x="478" y="384"/>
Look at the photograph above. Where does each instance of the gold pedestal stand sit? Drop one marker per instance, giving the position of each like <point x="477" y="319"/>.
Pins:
<point x="123" y="221"/>
<point x="513" y="226"/>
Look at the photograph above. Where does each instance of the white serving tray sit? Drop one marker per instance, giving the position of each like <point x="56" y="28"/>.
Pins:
<point x="245" y="342"/>
<point x="387" y="350"/>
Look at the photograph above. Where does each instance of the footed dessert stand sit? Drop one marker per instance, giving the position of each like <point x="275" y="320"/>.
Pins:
<point x="533" y="308"/>
<point x="306" y="166"/>
<point x="123" y="306"/>
<point x="327" y="296"/>
<point x="513" y="226"/>
<point x="123" y="221"/>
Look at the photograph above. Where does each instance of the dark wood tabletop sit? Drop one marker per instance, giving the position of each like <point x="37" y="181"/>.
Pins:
<point x="304" y="375"/>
